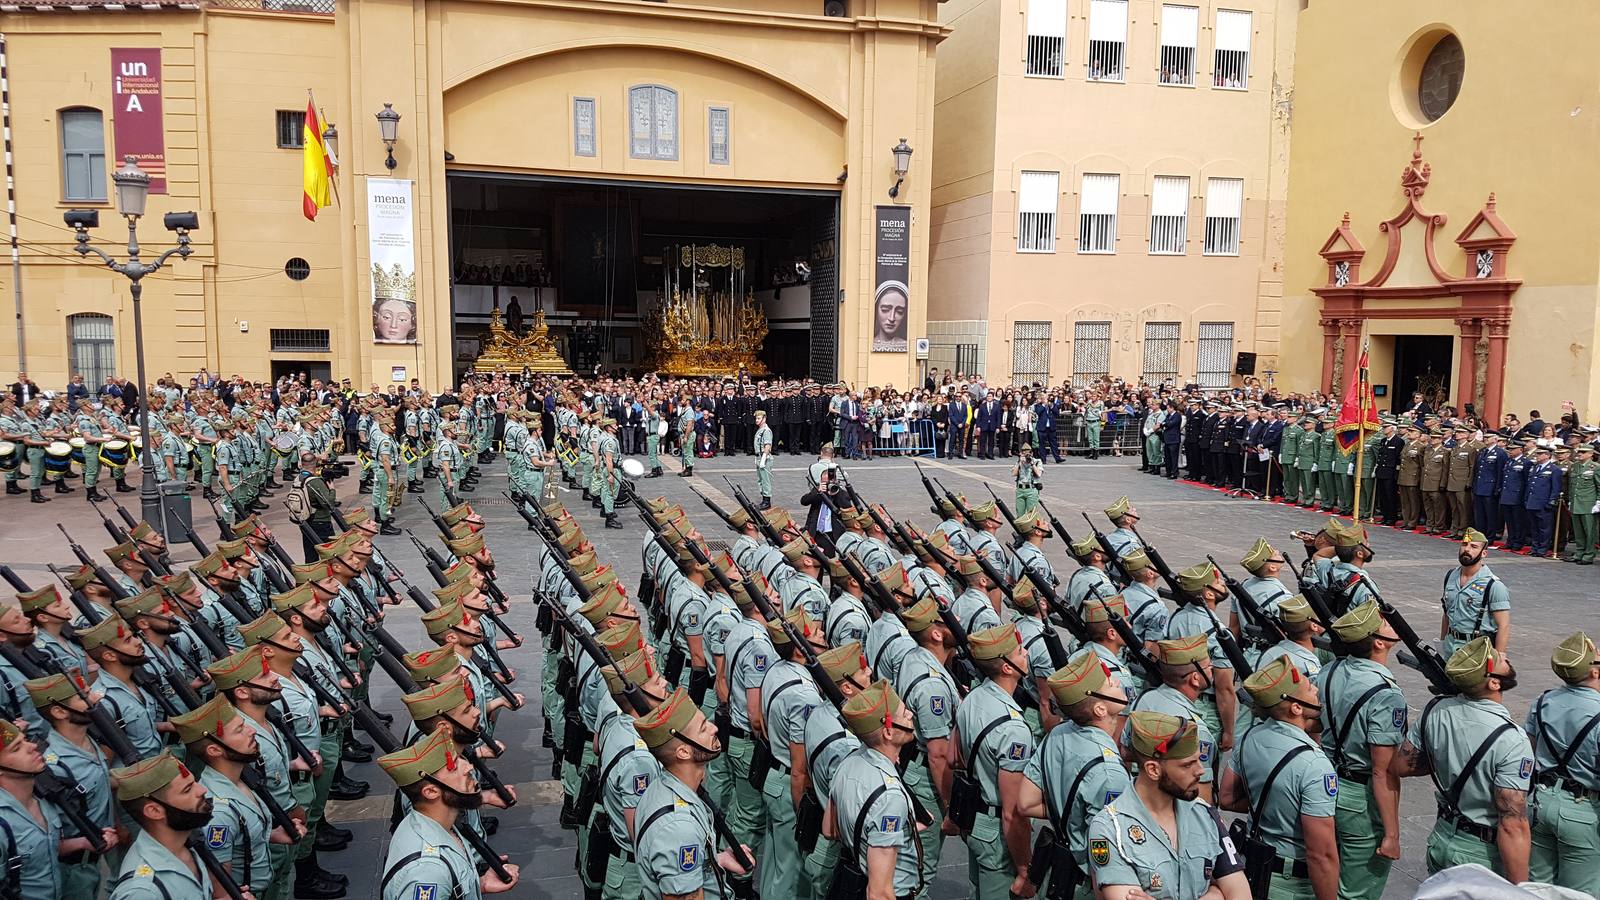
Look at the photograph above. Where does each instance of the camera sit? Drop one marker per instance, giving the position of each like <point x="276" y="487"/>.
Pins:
<point x="82" y="218"/>
<point x="181" y="221"/>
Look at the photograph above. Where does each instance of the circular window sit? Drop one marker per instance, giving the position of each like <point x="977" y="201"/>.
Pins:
<point x="1440" y="80"/>
<point x="297" y="269"/>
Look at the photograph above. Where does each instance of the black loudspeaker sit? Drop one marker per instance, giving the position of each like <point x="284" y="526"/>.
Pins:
<point x="1246" y="364"/>
<point x="834" y="8"/>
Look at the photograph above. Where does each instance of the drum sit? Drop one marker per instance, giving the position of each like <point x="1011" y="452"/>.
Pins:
<point x="58" y="458"/>
<point x="114" y="453"/>
<point x="10" y="456"/>
<point x="138" y="443"/>
<point x="284" y="444"/>
<point x="632" y="468"/>
<point x="78" y="444"/>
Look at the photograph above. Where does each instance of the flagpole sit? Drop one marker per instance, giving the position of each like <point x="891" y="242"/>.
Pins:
<point x="1361" y="429"/>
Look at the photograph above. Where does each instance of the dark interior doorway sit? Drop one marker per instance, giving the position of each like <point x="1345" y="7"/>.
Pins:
<point x="294" y="368"/>
<point x="1421" y="364"/>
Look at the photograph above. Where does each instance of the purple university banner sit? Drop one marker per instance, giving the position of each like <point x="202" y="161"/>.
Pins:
<point x="136" y="112"/>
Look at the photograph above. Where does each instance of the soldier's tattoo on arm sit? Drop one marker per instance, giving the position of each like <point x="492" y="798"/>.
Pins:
<point x="1510" y="803"/>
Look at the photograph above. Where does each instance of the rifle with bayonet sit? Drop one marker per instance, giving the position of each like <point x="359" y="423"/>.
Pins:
<point x="1425" y="658"/>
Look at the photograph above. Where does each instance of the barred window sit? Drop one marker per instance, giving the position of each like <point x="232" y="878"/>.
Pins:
<point x="1097" y="214"/>
<point x="1091" y="351"/>
<point x="1169" y="214"/>
<point x="291" y="129"/>
<point x="1213" y="354"/>
<point x="1030" y="353"/>
<point x="1180" y="27"/>
<point x="300" y="340"/>
<point x="652" y="122"/>
<point x="1224" y="205"/>
<point x="93" y="347"/>
<point x="1108" y="39"/>
<point x="1047" y="38"/>
<point x="1036" y="212"/>
<point x="1232" y="62"/>
<point x="1161" y="343"/>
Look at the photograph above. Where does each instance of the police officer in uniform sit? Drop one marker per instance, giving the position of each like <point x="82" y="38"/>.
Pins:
<point x="167" y="803"/>
<point x="1475" y="601"/>
<point x="1564" y="726"/>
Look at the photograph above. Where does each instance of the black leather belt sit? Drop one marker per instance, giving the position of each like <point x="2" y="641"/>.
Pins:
<point x="82" y="857"/>
<point x="1551" y="779"/>
<point x="738" y="732"/>
<point x="300" y="777"/>
<point x="1355" y="777"/>
<point x="1485" y="833"/>
<point x="1294" y="868"/>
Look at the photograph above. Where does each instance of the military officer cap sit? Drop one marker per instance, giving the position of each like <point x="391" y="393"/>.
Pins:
<point x="1292" y="610"/>
<point x="622" y="639"/>
<point x="1571" y="660"/>
<point x="60" y="687"/>
<point x="470" y="545"/>
<point x="1358" y="623"/>
<point x="994" y="643"/>
<point x="1156" y="735"/>
<point x="440" y="697"/>
<point x="984" y="512"/>
<point x="636" y="669"/>
<point x="461" y="512"/>
<point x="426" y="757"/>
<point x="205" y="720"/>
<point x="1032" y="521"/>
<point x="1260" y="552"/>
<point x="1585" y="448"/>
<point x="269" y="625"/>
<point x="759" y="584"/>
<point x="309" y="572"/>
<point x="231" y="550"/>
<point x="1081" y="676"/>
<point x="921" y="615"/>
<point x="149" y="600"/>
<point x="798" y="617"/>
<point x="80" y="577"/>
<point x="602" y="603"/>
<point x="293" y="599"/>
<point x="1182" y="651"/>
<point x="943" y="506"/>
<point x="444" y="618"/>
<point x="931" y="542"/>
<point x="122" y="551"/>
<point x="1273" y="682"/>
<point x="146" y="776"/>
<point x="1098" y="609"/>
<point x="1350" y="535"/>
<point x="659" y="504"/>
<point x="208" y="565"/>
<point x="739" y="518"/>
<point x="872" y="710"/>
<point x="1024" y="597"/>
<point x="1136" y="561"/>
<point x="1198" y="577"/>
<point x="1543" y="448"/>
<point x="855" y="518"/>
<point x="431" y="664"/>
<point x="1117" y="509"/>
<point x="1473" y="536"/>
<point x="231" y="671"/>
<point x="667" y="720"/>
<point x="359" y="515"/>
<point x="843" y="661"/>
<point x="38" y="598"/>
<point x="1470" y="665"/>
<point x="102" y="633"/>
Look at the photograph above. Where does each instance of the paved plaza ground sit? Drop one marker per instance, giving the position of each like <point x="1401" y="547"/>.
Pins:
<point x="1184" y="521"/>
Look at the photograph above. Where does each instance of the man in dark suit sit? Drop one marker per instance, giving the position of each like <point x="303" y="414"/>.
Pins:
<point x="23" y="389"/>
<point x="987" y="422"/>
<point x="819" y="518"/>
<point x="77" y="392"/>
<point x="1046" y="414"/>
<point x="726" y="409"/>
<point x="958" y="426"/>
<point x="1172" y="438"/>
<point x="1272" y="441"/>
<point x="850" y="426"/>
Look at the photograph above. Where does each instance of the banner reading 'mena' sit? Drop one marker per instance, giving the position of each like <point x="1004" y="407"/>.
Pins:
<point x="892" y="295"/>
<point x="391" y="245"/>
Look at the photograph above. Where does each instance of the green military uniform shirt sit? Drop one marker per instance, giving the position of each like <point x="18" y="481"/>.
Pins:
<point x="974" y="611"/>
<point x="239" y="832"/>
<point x="151" y="872"/>
<point x="1007" y="746"/>
<point x="428" y="862"/>
<point x="1127" y="846"/>
<point x="1355" y="722"/>
<point x="1471" y="607"/>
<point x="1083" y="762"/>
<point x="675" y="842"/>
<point x="33" y="846"/>
<point x="1305" y="786"/>
<point x="1451" y="729"/>
<point x="884" y="817"/>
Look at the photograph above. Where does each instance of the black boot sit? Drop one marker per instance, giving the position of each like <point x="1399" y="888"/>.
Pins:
<point x="766" y="503"/>
<point x="355" y="752"/>
<point x="208" y="493"/>
<point x="388" y="528"/>
<point x="94" y="495"/>
<point x="63" y="488"/>
<point x="343" y="788"/>
<point x="272" y="484"/>
<point x="491" y="824"/>
<point x="611" y="521"/>
<point x="123" y="487"/>
<point x="343" y="834"/>
<point x="654" y="473"/>
<point x="11" y="488"/>
<point x="366" y="488"/>
<point x="309" y="883"/>
<point x="37" y="496"/>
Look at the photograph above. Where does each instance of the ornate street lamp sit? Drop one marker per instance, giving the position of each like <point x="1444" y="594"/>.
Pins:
<point x="389" y="131"/>
<point x="902" y="165"/>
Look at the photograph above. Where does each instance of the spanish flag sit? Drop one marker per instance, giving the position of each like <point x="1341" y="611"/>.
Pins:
<point x="1358" y="417"/>
<point x="318" y="165"/>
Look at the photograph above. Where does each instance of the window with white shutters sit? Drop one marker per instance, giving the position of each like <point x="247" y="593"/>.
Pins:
<point x="1213" y="354"/>
<point x="1091" y="351"/>
<point x="1161" y="343"/>
<point x="1030" y="353"/>
<point x="1180" y="26"/>
<point x="1224" y="204"/>
<point x="1169" y="214"/>
<point x="1047" y="38"/>
<point x="1232" y="68"/>
<point x="1097" y="214"/>
<point x="1108" y="39"/>
<point x="1036" y="212"/>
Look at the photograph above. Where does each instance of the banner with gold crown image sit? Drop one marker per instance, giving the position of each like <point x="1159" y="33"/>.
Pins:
<point x="392" y="248"/>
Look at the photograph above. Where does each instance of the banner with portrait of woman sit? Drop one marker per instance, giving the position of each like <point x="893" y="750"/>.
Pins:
<point x="392" y="246"/>
<point x="891" y="298"/>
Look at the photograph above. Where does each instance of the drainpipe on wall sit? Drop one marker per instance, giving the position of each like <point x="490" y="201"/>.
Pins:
<point x="11" y="204"/>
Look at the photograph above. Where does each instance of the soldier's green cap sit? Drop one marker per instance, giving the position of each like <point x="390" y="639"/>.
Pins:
<point x="292" y="599"/>
<point x="121" y="551"/>
<point x="102" y="633"/>
<point x="461" y="571"/>
<point x="1182" y="651"/>
<point x="440" y="697"/>
<point x="9" y="734"/>
<point x="843" y="661"/>
<point x="946" y="508"/>
<point x="1024" y="597"/>
<point x="305" y="573"/>
<point x="1098" y="609"/>
<point x="872" y="710"/>
<point x="207" y="719"/>
<point x="1347" y="534"/>
<point x="1082" y="547"/>
<point x="470" y="545"/>
<point x="231" y="550"/>
<point x="1271" y="683"/>
<point x="779" y="518"/>
<point x="56" y="688"/>
<point x="571" y="540"/>
<point x="622" y="639"/>
<point x="921" y="615"/>
<point x="444" y="618"/>
<point x="667" y="720"/>
<point x="146" y="776"/>
<point x="739" y="518"/>
<point x="1295" y="609"/>
<point x="984" y="512"/>
<point x="1118" y="508"/>
<point x="994" y="643"/>
<point x="177" y="585"/>
<point x="149" y="600"/>
<point x="798" y="617"/>
<point x="1470" y="665"/>
<point x="602" y="603"/>
<point x="1156" y="735"/>
<point x="359" y="515"/>
<point x="1571" y="660"/>
<point x="80" y="577"/>
<point x="893" y="578"/>
<point x="600" y="577"/>
<point x="461" y="512"/>
<point x="1081" y="676"/>
<point x="1198" y="577"/>
<point x="207" y="565"/>
<point x="1260" y="552"/>
<point x="930" y="542"/>
<point x="427" y="756"/>
<point x="231" y="671"/>
<point x="1473" y="536"/>
<point x="1031" y="521"/>
<point x="836" y="570"/>
<point x="453" y="592"/>
<point x="1136" y="561"/>
<point x="38" y="598"/>
<point x="247" y="525"/>
<point x="968" y="565"/>
<point x="1358" y="623"/>
<point x="795" y="549"/>
<point x="431" y="664"/>
<point x="636" y="669"/>
<point x="332" y="549"/>
<point x="269" y="625"/>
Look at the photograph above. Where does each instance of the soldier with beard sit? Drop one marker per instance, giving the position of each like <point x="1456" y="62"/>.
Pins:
<point x="113" y="646"/>
<point x="72" y="755"/>
<point x="168" y="803"/>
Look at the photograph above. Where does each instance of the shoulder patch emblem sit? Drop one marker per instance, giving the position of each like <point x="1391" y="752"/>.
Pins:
<point x="688" y="857"/>
<point x="936" y="705"/>
<point x="1400" y="718"/>
<point x="693" y="619"/>
<point x="889" y="824"/>
<point x="1110" y="797"/>
<point x="425" y="892"/>
<point x="759" y="661"/>
<point x="1205" y="751"/>
<point x="1330" y="783"/>
<point x="641" y="783"/>
<point x="1155" y="881"/>
<point x="1136" y="833"/>
<point x="1526" y="769"/>
<point x="1019" y="750"/>
<point x="217" y="836"/>
<point x="144" y="871"/>
<point x="430" y="850"/>
<point x="1100" y="851"/>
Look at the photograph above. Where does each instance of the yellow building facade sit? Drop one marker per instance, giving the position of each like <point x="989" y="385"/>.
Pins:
<point x="555" y="151"/>
<point x="1439" y="200"/>
<point x="1108" y="189"/>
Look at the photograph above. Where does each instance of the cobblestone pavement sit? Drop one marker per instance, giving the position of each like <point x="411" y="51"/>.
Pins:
<point x="1184" y="521"/>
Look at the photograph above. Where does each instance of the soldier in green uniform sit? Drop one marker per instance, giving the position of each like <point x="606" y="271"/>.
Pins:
<point x="870" y="809"/>
<point x="1328" y="473"/>
<point x="241" y="829"/>
<point x="1475" y="601"/>
<point x="1364" y="724"/>
<point x="1028" y="474"/>
<point x="686" y="437"/>
<point x="1187" y="676"/>
<point x="1566" y="793"/>
<point x="1435" y="475"/>
<point x="87" y="425"/>
<point x="1483" y="807"/>
<point x="387" y="472"/>
<point x="1344" y="474"/>
<point x="763" y="451"/>
<point x="1583" y="483"/>
<point x="610" y="472"/>
<point x="450" y="463"/>
<point x="172" y="462"/>
<point x="428" y="860"/>
<point x="1122" y="538"/>
<point x="1202" y="589"/>
<point x="1034" y="529"/>
<point x="31" y="827"/>
<point x="652" y="435"/>
<point x="1305" y="461"/>
<point x="167" y="803"/>
<point x="1458" y="478"/>
<point x="788" y="697"/>
<point x="995" y="746"/>
<point x="513" y="439"/>
<point x="674" y="839"/>
<point x="628" y="769"/>
<point x="923" y="680"/>
<point x="1157" y="840"/>
<point x="1288" y="452"/>
<point x="1282" y="780"/>
<point x="1264" y="563"/>
<point x="29" y="432"/>
<point x="74" y="757"/>
<point x="1078" y="769"/>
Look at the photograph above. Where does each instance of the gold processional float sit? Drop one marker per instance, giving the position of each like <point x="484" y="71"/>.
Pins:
<point x="707" y="322"/>
<point x="533" y="349"/>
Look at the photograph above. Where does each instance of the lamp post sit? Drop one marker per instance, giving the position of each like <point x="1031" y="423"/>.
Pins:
<point x="133" y="189"/>
<point x="389" y="131"/>
<point x="902" y="165"/>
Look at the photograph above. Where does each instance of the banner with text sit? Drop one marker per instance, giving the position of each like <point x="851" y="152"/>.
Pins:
<point x="391" y="246"/>
<point x="136" y="112"/>
<point x="892" y="297"/>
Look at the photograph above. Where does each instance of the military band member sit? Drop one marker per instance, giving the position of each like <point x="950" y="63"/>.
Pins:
<point x="386" y="475"/>
<point x="1562" y="727"/>
<point x="1475" y="601"/>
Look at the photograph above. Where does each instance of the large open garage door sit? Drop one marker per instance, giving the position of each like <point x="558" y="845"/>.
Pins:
<point x="590" y="255"/>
